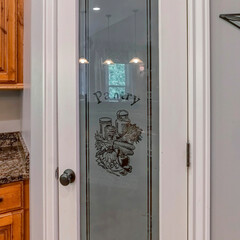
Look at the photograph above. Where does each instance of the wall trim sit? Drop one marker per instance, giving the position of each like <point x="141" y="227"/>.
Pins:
<point x="43" y="183"/>
<point x="199" y="119"/>
<point x="51" y="123"/>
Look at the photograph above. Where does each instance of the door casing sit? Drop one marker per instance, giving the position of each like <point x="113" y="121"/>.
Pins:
<point x="199" y="119"/>
<point x="44" y="151"/>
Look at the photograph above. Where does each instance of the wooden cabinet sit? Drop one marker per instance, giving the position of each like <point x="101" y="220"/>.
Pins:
<point x="11" y="44"/>
<point x="14" y="211"/>
<point x="26" y="211"/>
<point x="11" y="226"/>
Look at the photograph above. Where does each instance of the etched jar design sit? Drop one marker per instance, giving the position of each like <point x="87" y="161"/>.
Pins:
<point x="104" y="122"/>
<point x="122" y="121"/>
<point x="110" y="132"/>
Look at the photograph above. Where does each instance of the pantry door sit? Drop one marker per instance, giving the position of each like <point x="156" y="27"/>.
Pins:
<point x="122" y="119"/>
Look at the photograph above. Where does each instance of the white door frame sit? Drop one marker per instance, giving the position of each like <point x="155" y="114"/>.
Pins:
<point x="199" y="118"/>
<point x="43" y="185"/>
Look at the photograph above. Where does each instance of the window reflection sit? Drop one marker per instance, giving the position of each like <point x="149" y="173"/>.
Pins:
<point x="117" y="80"/>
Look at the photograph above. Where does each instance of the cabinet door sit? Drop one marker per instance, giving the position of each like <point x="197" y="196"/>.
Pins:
<point x="11" y="226"/>
<point x="6" y="222"/>
<point x="8" y="37"/>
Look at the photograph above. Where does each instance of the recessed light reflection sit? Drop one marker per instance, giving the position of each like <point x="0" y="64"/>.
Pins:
<point x="108" y="62"/>
<point x="136" y="60"/>
<point x="83" y="60"/>
<point x="96" y="9"/>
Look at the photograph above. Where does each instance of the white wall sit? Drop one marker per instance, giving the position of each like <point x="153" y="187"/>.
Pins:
<point x="225" y="90"/>
<point x="10" y="110"/>
<point x="26" y="100"/>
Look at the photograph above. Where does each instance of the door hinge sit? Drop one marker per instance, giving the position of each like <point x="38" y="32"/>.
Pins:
<point x="57" y="173"/>
<point x="188" y="155"/>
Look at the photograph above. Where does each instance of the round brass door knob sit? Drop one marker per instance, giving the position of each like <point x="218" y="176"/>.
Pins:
<point x="67" y="177"/>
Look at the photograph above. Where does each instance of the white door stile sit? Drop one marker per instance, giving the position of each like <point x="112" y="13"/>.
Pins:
<point x="173" y="120"/>
<point x="68" y="117"/>
<point x="199" y="119"/>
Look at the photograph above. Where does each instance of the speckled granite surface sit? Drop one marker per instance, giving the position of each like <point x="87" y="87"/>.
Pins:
<point x="14" y="158"/>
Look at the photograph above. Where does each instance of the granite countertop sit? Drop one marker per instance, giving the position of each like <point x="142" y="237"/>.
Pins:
<point x="14" y="158"/>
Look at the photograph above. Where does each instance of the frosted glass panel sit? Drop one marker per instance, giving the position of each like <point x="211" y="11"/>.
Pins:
<point x="119" y="120"/>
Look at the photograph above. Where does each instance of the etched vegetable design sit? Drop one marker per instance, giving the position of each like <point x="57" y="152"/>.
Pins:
<point x="115" y="144"/>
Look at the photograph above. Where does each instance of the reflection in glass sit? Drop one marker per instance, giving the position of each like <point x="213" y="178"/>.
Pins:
<point x="135" y="60"/>
<point x="116" y="80"/>
<point x="83" y="60"/>
<point x="119" y="121"/>
<point x="108" y="61"/>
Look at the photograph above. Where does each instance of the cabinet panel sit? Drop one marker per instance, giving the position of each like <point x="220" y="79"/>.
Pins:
<point x="11" y="197"/>
<point x="14" y="206"/>
<point x="6" y="227"/>
<point x="17" y="227"/>
<point x="20" y="38"/>
<point x="8" y="39"/>
<point x="3" y="36"/>
<point x="11" y="226"/>
<point x="5" y="233"/>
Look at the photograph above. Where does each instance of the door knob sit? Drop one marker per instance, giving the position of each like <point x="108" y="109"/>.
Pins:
<point x="67" y="177"/>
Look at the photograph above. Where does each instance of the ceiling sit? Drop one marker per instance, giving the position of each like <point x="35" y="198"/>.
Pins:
<point x="119" y="9"/>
